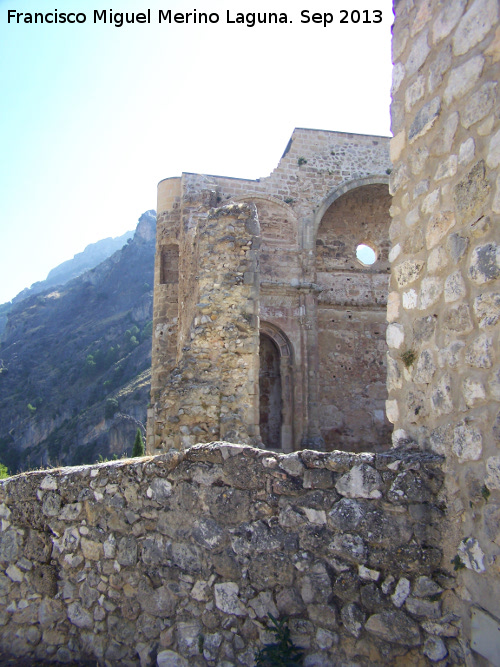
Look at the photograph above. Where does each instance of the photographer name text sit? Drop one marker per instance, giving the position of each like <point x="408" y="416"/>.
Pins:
<point x="229" y="17"/>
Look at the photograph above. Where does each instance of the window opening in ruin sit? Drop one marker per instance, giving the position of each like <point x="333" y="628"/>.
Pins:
<point x="270" y="407"/>
<point x="365" y="254"/>
<point x="169" y="267"/>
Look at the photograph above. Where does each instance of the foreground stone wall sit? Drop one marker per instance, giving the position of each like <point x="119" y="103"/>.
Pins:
<point x="444" y="305"/>
<point x="178" y="559"/>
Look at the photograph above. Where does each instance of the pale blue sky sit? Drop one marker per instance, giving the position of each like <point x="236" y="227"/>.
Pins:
<point x="93" y="116"/>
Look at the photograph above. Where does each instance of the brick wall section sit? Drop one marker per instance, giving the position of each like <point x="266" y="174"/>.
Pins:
<point x="444" y="305"/>
<point x="178" y="559"/>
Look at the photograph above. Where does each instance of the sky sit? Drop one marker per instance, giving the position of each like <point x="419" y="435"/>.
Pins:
<point x="93" y="116"/>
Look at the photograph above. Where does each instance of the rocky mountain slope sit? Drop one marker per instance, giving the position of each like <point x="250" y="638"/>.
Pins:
<point x="94" y="254"/>
<point x="75" y="362"/>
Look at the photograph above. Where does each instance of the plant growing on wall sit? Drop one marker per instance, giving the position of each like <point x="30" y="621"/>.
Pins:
<point x="282" y="653"/>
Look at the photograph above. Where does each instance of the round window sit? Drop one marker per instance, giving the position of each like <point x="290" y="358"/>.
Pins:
<point x="365" y="254"/>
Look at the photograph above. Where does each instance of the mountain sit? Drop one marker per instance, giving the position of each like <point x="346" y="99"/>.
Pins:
<point x="75" y="362"/>
<point x="94" y="254"/>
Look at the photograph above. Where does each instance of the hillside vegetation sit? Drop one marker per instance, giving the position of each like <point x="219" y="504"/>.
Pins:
<point x="75" y="362"/>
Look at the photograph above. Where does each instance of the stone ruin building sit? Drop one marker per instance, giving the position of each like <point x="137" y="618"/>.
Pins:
<point x="263" y="313"/>
<point x="268" y="331"/>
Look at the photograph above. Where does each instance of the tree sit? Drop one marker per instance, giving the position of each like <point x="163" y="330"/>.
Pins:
<point x="111" y="408"/>
<point x="138" y="448"/>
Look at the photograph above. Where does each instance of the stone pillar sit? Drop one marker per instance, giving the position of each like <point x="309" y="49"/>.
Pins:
<point x="212" y="393"/>
<point x="287" y="409"/>
<point x="444" y="305"/>
<point x="165" y="300"/>
<point x="312" y="437"/>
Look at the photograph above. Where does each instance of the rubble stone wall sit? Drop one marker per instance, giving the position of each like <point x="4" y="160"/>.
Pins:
<point x="444" y="304"/>
<point x="211" y="391"/>
<point x="179" y="559"/>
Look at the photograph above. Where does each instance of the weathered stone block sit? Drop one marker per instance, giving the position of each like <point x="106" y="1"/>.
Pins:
<point x="466" y="151"/>
<point x="458" y="319"/>
<point x="438" y="226"/>
<point x="471" y="554"/>
<point x="474" y="25"/>
<point x="493" y="158"/>
<point x="447" y="19"/>
<point x="423" y="328"/>
<point x="423" y="608"/>
<point x="353" y="618"/>
<point x="480" y="352"/>
<point x="493" y="472"/>
<point x="473" y="392"/>
<point x="431" y="290"/>
<point x="443" y="144"/>
<point x="395" y="627"/>
<point x="350" y="547"/>
<point x="463" y="78"/>
<point x="425" y="368"/>
<point x="171" y="659"/>
<point x="362" y="481"/>
<point x="485" y="263"/>
<point x="79" y="617"/>
<point x="470" y="193"/>
<point x="424" y="119"/>
<point x="435" y="649"/>
<point x="395" y="336"/>
<point x="467" y="442"/>
<point x="454" y="287"/>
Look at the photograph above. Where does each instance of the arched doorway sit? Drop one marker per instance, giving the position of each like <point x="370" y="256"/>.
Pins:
<point x="276" y="389"/>
<point x="270" y="403"/>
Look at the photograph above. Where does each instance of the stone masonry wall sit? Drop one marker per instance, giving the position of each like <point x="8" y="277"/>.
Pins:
<point x="352" y="320"/>
<point x="210" y="393"/>
<point x="444" y="305"/>
<point x="177" y="560"/>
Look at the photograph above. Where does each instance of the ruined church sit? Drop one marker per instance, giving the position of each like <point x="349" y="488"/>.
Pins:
<point x="276" y="266"/>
